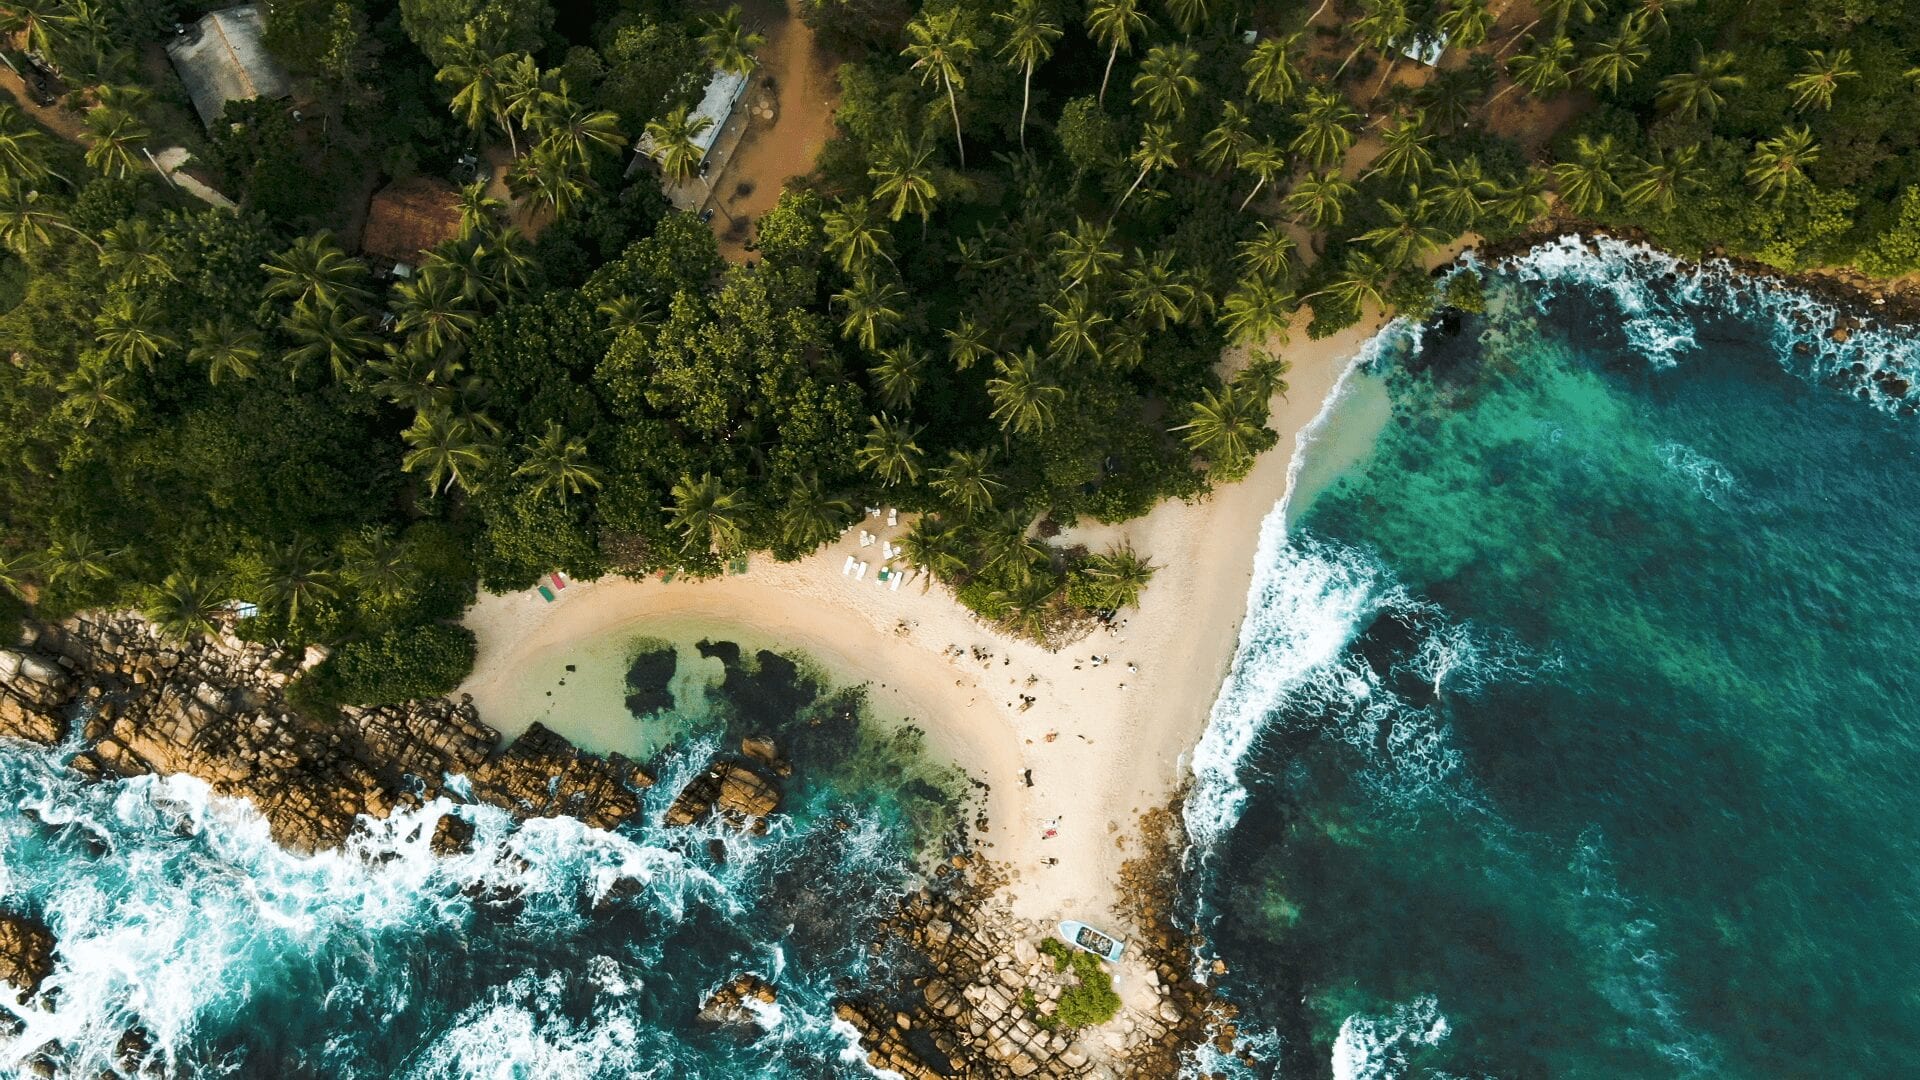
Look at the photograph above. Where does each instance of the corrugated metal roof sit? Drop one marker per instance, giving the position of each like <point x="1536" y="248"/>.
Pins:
<point x="723" y="90"/>
<point x="226" y="59"/>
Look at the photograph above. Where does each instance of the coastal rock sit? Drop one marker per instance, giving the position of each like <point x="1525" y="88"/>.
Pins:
<point x="762" y="750"/>
<point x="26" y="954"/>
<point x="544" y="775"/>
<point x="452" y="835"/>
<point x="731" y="789"/>
<point x="728" y="1004"/>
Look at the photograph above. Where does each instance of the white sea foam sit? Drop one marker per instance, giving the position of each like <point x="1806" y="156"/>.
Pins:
<point x="1379" y="1047"/>
<point x="1662" y="298"/>
<point x="1713" y="481"/>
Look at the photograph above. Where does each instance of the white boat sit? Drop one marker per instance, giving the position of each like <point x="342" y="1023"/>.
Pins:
<point x="1099" y="943"/>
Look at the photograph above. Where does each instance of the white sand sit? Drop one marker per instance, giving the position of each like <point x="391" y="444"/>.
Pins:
<point x="1121" y="734"/>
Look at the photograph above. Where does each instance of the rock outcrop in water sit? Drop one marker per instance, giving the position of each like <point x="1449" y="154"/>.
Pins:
<point x="26" y="954"/>
<point x="732" y="790"/>
<point x="728" y="1006"/>
<point x="218" y="710"/>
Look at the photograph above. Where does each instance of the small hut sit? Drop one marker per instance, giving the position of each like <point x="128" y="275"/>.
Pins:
<point x="223" y="58"/>
<point x="408" y="217"/>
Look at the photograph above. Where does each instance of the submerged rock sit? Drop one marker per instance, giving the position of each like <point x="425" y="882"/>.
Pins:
<point x="26" y="954"/>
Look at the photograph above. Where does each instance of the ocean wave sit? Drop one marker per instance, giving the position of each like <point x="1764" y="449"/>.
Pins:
<point x="1662" y="296"/>
<point x="1709" y="479"/>
<point x="547" y="948"/>
<point x="1380" y="1047"/>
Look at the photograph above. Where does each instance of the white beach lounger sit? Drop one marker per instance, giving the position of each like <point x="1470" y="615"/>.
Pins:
<point x="848" y="569"/>
<point x="867" y="538"/>
<point x="893" y="517"/>
<point x="897" y="578"/>
<point x="873" y="511"/>
<point x="861" y="574"/>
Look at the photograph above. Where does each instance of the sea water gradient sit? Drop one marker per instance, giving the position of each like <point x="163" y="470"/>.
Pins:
<point x="1571" y="733"/>
<point x="550" y="950"/>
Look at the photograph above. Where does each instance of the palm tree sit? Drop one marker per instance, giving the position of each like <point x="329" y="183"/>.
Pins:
<point x="75" y="557"/>
<point x="479" y="212"/>
<point x="183" y="606"/>
<point x="1121" y="575"/>
<point x="1223" y="144"/>
<point x="1155" y="151"/>
<point x="226" y="348"/>
<point x="1543" y="72"/>
<point x="1404" y="155"/>
<point x="1114" y="23"/>
<point x="1524" y="202"/>
<point x="328" y="332"/>
<point x="15" y="570"/>
<point x="1460" y="191"/>
<point x="1380" y="25"/>
<point x="905" y="176"/>
<point x="574" y="133"/>
<point x="940" y="48"/>
<point x="1409" y="231"/>
<point x="546" y="175"/>
<point x="810" y="516"/>
<point x="966" y="343"/>
<point x="1701" y="89"/>
<point x="1660" y="180"/>
<point x="1030" y="38"/>
<point x="871" y="309"/>
<point x="1616" y="60"/>
<point x="1269" y="253"/>
<point x="1257" y="309"/>
<point x="1188" y="15"/>
<point x="966" y="482"/>
<point x="727" y="45"/>
<point x="415" y="377"/>
<point x="1087" y="252"/>
<point x="1264" y="160"/>
<point x="1153" y="292"/>
<point x="854" y="235"/>
<point x="435" y="306"/>
<point x="1813" y="86"/>
<point x="1320" y="199"/>
<point x="376" y="565"/>
<point x="1271" y="75"/>
<point x="133" y="253"/>
<point x="314" y="271"/>
<point x="674" y="147"/>
<point x="506" y="263"/>
<point x="298" y="577"/>
<point x="890" y="451"/>
<point x="447" y="448"/>
<point x="1362" y="282"/>
<point x="1166" y="80"/>
<point x="526" y="95"/>
<point x="1562" y="11"/>
<point x="481" y="95"/>
<point x="1325" y="128"/>
<point x="1587" y="180"/>
<point x="130" y="332"/>
<point x="934" y="545"/>
<point x="42" y="25"/>
<point x="1264" y="376"/>
<point x="708" y="514"/>
<point x="898" y="376"/>
<point x="1077" y="327"/>
<point x="93" y="389"/>
<point x="1024" y="400"/>
<point x="1224" y="425"/>
<point x="557" y="462"/>
<point x="1779" y="164"/>
<point x="21" y="145"/>
<point x="1466" y="23"/>
<point x="1008" y="550"/>
<point x="114" y="138"/>
<point x="464" y="263"/>
<point x="25" y="221"/>
<point x="1653" y="13"/>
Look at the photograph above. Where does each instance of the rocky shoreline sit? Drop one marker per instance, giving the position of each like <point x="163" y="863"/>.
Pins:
<point x="973" y="996"/>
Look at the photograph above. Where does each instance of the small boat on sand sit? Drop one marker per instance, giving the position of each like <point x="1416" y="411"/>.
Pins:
<point x="1103" y="945"/>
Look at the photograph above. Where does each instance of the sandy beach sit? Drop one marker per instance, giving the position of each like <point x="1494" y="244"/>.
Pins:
<point x="1104" y="742"/>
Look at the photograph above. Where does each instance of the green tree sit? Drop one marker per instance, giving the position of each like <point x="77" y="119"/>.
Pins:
<point x="1119" y="575"/>
<point x="226" y="348"/>
<point x="1153" y="292"/>
<point x="728" y="45"/>
<point x="905" y="176"/>
<point x="480" y="95"/>
<point x="298" y="577"/>
<point x="1031" y="33"/>
<point x="674" y="147"/>
<point x="1813" y="86"/>
<point x="891" y="452"/>
<point x="434" y="306"/>
<point x="1409" y="231"/>
<point x="1166" y="81"/>
<point x="854" y="235"/>
<point x="1404" y="154"/>
<point x="184" y="605"/>
<point x="557" y="463"/>
<point x="1616" y="60"/>
<point x="872" y="309"/>
<point x="1086" y="253"/>
<point x="23" y="150"/>
<point x="898" y="376"/>
<point x="447" y="448"/>
<point x="1264" y="160"/>
<point x="114" y="138"/>
<point x="1156" y="151"/>
<point x="1466" y="23"/>
<point x="1542" y="72"/>
<point x="1778" y="165"/>
<point x="1662" y="179"/>
<point x="26" y="220"/>
<point x="438" y="26"/>
<point x="1257" y="310"/>
<point x="1381" y="23"/>
<point x="1024" y="400"/>
<point x="1077" y="327"/>
<point x="810" y="516"/>
<point x="1114" y="23"/>
<point x="133" y="251"/>
<point x="1326" y="130"/>
<point x="1272" y="76"/>
<point x="1225" y="427"/>
<point x="315" y="271"/>
<point x="1320" y="199"/>
<point x="1701" y="89"/>
<point x="966" y="343"/>
<point x="1592" y="176"/>
<point x="1223" y="144"/>
<point x="131" y="331"/>
<point x="328" y="332"/>
<point x="967" y="482"/>
<point x="1268" y="253"/>
<point x="941" y="49"/>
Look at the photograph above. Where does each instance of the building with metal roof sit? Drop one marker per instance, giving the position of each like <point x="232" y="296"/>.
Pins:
<point x="223" y="58"/>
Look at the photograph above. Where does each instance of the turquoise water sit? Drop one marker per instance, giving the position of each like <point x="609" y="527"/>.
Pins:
<point x="552" y="950"/>
<point x="1574" y="729"/>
